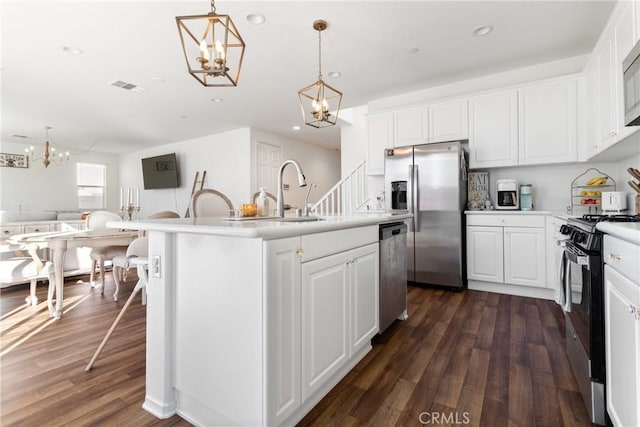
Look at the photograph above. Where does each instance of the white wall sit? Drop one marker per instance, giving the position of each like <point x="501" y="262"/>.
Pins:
<point x="319" y="164"/>
<point x="225" y="156"/>
<point x="484" y="83"/>
<point x="353" y="147"/>
<point x="37" y="188"/>
<point x="552" y="184"/>
<point x="229" y="159"/>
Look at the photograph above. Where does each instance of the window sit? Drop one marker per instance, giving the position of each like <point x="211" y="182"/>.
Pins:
<point x="91" y="186"/>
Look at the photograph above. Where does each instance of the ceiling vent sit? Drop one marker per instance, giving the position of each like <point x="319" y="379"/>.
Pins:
<point x="127" y="86"/>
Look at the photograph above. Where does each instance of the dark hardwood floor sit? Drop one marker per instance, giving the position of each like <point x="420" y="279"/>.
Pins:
<point x="468" y="358"/>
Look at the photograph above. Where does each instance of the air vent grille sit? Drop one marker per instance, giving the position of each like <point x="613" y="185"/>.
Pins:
<point x="127" y="86"/>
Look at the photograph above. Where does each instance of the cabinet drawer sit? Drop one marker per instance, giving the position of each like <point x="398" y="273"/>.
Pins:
<point x="622" y="256"/>
<point x="6" y="232"/>
<point x="332" y="242"/>
<point x="515" y="220"/>
<point x="36" y="228"/>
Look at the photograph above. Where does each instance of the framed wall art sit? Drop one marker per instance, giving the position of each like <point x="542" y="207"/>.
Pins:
<point x="14" y="160"/>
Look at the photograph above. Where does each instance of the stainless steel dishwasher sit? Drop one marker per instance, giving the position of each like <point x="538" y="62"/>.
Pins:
<point x="393" y="273"/>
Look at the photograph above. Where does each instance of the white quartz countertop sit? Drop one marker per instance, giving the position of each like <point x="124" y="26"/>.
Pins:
<point x="629" y="231"/>
<point x="559" y="214"/>
<point x="261" y="228"/>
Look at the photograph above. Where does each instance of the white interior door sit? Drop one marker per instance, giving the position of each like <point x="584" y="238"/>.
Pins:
<point x="269" y="159"/>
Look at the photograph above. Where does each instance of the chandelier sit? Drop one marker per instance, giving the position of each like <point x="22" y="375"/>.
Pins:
<point x="213" y="48"/>
<point x="322" y="101"/>
<point x="49" y="155"/>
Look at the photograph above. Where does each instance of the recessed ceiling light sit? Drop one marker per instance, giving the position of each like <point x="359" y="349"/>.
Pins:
<point x="335" y="74"/>
<point x="296" y="127"/>
<point x="72" y="50"/>
<point x="217" y="100"/>
<point x="256" y="18"/>
<point x="483" y="30"/>
<point x="157" y="79"/>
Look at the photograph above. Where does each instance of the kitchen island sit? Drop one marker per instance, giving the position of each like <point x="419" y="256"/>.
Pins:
<point x="253" y="322"/>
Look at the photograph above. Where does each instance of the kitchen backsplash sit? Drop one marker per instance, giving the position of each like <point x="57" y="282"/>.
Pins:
<point x="552" y="183"/>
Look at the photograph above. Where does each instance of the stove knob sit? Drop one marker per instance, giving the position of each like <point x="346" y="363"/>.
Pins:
<point x="564" y="229"/>
<point x="581" y="238"/>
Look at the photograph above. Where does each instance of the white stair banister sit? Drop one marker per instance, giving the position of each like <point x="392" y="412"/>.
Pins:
<point x="346" y="196"/>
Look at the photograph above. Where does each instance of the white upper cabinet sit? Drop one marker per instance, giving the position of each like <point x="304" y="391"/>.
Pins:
<point x="411" y="127"/>
<point x="604" y="80"/>
<point x="449" y="121"/>
<point x="548" y="122"/>
<point x="493" y="130"/>
<point x="380" y="137"/>
<point x="445" y="121"/>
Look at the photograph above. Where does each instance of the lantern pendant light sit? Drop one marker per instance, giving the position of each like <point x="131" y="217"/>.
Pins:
<point x="320" y="103"/>
<point x="213" y="48"/>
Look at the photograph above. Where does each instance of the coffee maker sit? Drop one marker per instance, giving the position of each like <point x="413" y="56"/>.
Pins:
<point x="508" y="197"/>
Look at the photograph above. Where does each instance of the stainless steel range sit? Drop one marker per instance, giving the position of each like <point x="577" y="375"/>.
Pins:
<point x="584" y="307"/>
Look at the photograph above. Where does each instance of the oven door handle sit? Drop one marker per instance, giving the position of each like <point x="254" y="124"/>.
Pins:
<point x="567" y="282"/>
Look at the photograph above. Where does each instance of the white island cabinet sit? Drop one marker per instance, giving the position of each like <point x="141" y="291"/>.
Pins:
<point x="253" y="322"/>
<point x="621" y="252"/>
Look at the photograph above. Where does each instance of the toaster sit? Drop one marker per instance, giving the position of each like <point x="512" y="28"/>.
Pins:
<point x="614" y="201"/>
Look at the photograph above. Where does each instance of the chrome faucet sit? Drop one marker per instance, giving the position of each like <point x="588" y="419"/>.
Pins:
<point x="306" y="199"/>
<point x="301" y="181"/>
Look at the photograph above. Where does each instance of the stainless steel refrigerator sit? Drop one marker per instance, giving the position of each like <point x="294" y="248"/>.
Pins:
<point x="429" y="181"/>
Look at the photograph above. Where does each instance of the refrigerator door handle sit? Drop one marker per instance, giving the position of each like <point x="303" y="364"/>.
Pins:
<point x="415" y="183"/>
<point x="410" y="198"/>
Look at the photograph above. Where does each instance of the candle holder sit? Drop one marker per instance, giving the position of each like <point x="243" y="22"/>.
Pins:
<point x="129" y="209"/>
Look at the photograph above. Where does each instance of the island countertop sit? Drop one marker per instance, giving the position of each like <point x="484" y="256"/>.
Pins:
<point x="267" y="228"/>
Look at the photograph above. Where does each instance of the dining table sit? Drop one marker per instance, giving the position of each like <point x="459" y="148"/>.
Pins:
<point x="58" y="242"/>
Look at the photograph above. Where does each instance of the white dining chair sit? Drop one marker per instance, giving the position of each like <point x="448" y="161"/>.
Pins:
<point x="97" y="220"/>
<point x="120" y="264"/>
<point x="208" y="202"/>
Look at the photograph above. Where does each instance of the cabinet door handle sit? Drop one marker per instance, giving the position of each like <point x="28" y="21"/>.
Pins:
<point x="614" y="257"/>
<point x="299" y="251"/>
<point x="631" y="309"/>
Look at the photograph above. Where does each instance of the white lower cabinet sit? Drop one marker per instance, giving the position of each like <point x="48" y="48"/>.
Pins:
<point x="283" y="329"/>
<point x="485" y="259"/>
<point x="340" y="312"/>
<point x="325" y="324"/>
<point x="524" y="256"/>
<point x="321" y="313"/>
<point x="364" y="275"/>
<point x="507" y="249"/>
<point x="622" y="331"/>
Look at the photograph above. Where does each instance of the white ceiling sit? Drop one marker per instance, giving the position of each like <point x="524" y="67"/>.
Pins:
<point x="370" y="43"/>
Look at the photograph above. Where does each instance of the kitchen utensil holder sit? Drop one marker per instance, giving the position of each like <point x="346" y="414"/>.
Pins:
<point x="579" y="185"/>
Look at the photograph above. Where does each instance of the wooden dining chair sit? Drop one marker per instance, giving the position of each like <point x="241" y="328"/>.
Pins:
<point x="137" y="252"/>
<point x="209" y="203"/>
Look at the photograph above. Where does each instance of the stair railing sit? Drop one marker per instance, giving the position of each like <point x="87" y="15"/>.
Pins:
<point x="346" y="196"/>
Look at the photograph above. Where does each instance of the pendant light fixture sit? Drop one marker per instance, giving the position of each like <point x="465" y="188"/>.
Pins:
<point x="49" y="154"/>
<point x="213" y="48"/>
<point x="320" y="103"/>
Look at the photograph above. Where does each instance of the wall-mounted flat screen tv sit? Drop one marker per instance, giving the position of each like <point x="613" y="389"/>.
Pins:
<point x="160" y="172"/>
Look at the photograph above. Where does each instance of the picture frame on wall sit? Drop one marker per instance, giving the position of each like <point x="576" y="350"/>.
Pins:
<point x="14" y="160"/>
